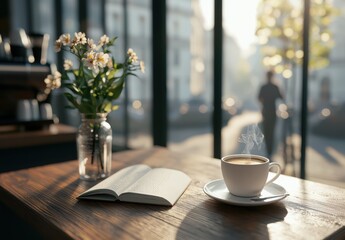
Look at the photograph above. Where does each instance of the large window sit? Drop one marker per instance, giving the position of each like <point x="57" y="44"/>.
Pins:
<point x="276" y="34"/>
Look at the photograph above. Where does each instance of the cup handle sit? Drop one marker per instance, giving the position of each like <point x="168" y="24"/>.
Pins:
<point x="274" y="164"/>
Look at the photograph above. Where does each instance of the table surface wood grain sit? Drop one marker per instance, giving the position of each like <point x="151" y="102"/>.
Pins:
<point x="46" y="196"/>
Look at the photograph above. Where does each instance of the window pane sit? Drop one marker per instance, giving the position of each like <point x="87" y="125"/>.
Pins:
<point x="70" y="25"/>
<point x="70" y="16"/>
<point x="138" y="88"/>
<point x="278" y="47"/>
<point x="259" y="115"/>
<point x="95" y="15"/>
<point x="326" y="137"/>
<point x="43" y="22"/>
<point x="243" y="76"/>
<point x="189" y="76"/>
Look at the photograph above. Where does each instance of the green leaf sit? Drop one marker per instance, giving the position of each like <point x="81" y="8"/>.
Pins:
<point x="76" y="72"/>
<point x="72" y="100"/>
<point x="116" y="92"/>
<point x="119" y="66"/>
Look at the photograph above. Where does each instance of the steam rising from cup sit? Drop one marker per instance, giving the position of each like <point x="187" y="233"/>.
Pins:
<point x="252" y="137"/>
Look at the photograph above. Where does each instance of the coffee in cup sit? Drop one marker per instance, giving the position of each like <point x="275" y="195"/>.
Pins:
<point x="245" y="175"/>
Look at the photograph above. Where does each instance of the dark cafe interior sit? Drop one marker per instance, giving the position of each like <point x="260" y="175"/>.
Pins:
<point x="231" y="93"/>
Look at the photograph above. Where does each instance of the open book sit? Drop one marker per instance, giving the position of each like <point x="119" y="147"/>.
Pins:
<point x="141" y="184"/>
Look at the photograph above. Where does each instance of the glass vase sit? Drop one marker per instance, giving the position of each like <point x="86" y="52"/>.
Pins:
<point x="94" y="145"/>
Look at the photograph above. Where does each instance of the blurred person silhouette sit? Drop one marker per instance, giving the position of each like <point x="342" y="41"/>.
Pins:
<point x="269" y="93"/>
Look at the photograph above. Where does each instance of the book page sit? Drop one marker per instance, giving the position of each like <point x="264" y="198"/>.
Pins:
<point x="157" y="185"/>
<point x="118" y="182"/>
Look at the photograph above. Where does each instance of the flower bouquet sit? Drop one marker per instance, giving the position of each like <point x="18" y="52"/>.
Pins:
<point x="91" y="87"/>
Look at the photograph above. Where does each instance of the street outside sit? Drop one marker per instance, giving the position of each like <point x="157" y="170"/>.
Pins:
<point x="325" y="156"/>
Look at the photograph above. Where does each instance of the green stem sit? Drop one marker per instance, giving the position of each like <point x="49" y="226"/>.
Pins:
<point x="94" y="148"/>
<point x="93" y="144"/>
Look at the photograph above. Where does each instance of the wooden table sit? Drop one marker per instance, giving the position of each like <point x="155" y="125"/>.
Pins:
<point x="46" y="197"/>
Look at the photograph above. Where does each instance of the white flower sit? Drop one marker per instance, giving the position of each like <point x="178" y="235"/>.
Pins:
<point x="91" y="44"/>
<point x="48" y="80"/>
<point x="68" y="64"/>
<point x="93" y="82"/>
<point x="103" y="40"/>
<point x="65" y="39"/>
<point x="133" y="58"/>
<point x="79" y="38"/>
<point x="130" y="51"/>
<point x="53" y="81"/>
<point x="57" y="80"/>
<point x="110" y="64"/>
<point x="57" y="75"/>
<point x="90" y="59"/>
<point x="95" y="60"/>
<point x="102" y="59"/>
<point x="58" y="45"/>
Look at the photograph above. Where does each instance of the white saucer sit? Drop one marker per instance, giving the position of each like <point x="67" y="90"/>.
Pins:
<point x="216" y="189"/>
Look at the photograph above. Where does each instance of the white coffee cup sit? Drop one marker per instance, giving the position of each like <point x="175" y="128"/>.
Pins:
<point x="245" y="175"/>
<point x="35" y="111"/>
<point x="46" y="111"/>
<point x="24" y="110"/>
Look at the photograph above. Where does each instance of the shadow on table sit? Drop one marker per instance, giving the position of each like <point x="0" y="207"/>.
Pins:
<point x="215" y="220"/>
